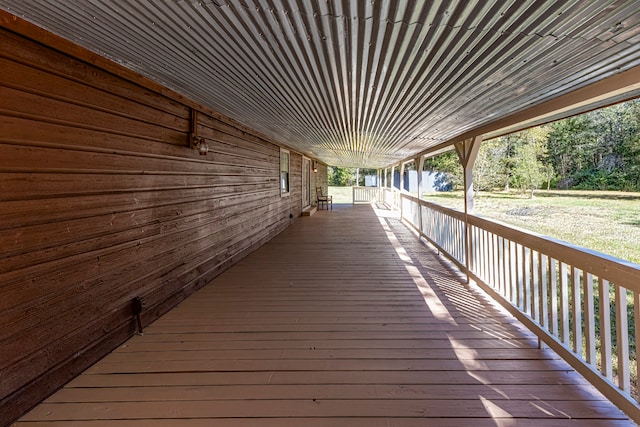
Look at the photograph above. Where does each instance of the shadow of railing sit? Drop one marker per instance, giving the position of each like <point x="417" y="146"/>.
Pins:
<point x="583" y="304"/>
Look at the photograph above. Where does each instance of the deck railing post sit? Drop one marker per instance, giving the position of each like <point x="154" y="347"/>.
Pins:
<point x="467" y="151"/>
<point x="419" y="167"/>
<point x="401" y="187"/>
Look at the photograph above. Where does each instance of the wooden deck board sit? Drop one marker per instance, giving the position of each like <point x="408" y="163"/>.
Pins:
<point x="344" y="319"/>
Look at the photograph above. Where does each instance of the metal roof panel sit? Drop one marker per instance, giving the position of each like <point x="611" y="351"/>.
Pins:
<point x="356" y="83"/>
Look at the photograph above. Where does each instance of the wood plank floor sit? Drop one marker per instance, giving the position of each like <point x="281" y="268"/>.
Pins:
<point x="344" y="319"/>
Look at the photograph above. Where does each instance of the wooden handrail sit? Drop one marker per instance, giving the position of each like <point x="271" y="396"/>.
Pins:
<point x="555" y="288"/>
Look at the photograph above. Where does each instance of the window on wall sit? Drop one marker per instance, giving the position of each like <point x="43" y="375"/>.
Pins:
<point x="284" y="172"/>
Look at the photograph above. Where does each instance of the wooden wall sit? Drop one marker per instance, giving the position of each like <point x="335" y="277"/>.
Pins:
<point x="321" y="179"/>
<point x="103" y="200"/>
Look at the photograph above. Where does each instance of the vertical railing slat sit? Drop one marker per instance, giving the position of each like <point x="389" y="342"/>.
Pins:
<point x="589" y="318"/>
<point x="513" y="273"/>
<point x="553" y="291"/>
<point x="606" y="366"/>
<point x="535" y="286"/>
<point x="519" y="272"/>
<point x="564" y="305"/>
<point x="543" y="272"/>
<point x="501" y="266"/>
<point x="576" y="308"/>
<point x="636" y="325"/>
<point x="622" y="338"/>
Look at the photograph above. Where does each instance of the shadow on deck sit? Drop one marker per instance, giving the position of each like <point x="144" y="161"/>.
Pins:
<point x="344" y="319"/>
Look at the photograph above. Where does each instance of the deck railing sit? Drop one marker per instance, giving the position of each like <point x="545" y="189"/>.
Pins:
<point x="390" y="197"/>
<point x="365" y="194"/>
<point x="583" y="304"/>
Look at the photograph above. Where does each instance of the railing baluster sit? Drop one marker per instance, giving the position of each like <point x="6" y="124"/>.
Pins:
<point x="521" y="289"/>
<point x="576" y="308"/>
<point x="606" y="367"/>
<point x="543" y="271"/>
<point x="462" y="254"/>
<point x="636" y="328"/>
<point x="474" y="246"/>
<point x="622" y="338"/>
<point x="481" y="253"/>
<point x="497" y="249"/>
<point x="507" y="267"/>
<point x="535" y="287"/>
<point x="501" y="281"/>
<point x="526" y="277"/>
<point x="589" y="318"/>
<point x="564" y="305"/>
<point x="491" y="248"/>
<point x="513" y="272"/>
<point x="553" y="291"/>
<point x="487" y="256"/>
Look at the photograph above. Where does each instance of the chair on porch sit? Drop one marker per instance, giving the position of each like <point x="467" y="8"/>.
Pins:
<point x="322" y="199"/>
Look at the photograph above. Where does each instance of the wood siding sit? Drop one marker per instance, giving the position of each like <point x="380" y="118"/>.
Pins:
<point x="103" y="200"/>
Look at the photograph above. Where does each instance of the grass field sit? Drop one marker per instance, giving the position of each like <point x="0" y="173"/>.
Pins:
<point x="341" y="194"/>
<point x="607" y="222"/>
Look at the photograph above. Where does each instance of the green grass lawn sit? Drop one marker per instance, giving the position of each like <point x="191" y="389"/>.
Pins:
<point x="341" y="194"/>
<point x="607" y="222"/>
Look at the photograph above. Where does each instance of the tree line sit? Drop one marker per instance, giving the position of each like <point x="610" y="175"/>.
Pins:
<point x="346" y="177"/>
<point x="599" y="150"/>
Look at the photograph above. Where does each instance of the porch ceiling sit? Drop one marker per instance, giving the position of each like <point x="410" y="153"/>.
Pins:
<point x="356" y="83"/>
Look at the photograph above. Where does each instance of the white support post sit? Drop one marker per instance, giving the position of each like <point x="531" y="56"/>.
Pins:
<point x="400" y="188"/>
<point x="467" y="153"/>
<point x="419" y="166"/>
<point x="392" y="177"/>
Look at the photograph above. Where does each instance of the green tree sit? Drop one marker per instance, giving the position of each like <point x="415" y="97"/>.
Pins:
<point x="487" y="171"/>
<point x="528" y="167"/>
<point x="511" y="143"/>
<point x="340" y="177"/>
<point x="569" y="145"/>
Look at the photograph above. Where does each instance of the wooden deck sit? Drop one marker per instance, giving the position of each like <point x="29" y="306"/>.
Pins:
<point x="344" y="319"/>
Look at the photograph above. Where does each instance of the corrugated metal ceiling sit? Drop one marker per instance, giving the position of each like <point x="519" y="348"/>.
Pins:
<point x="356" y="83"/>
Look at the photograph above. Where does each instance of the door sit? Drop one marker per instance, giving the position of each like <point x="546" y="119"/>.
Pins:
<point x="306" y="182"/>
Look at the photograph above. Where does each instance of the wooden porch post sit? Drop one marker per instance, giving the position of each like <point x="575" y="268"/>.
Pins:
<point x="467" y="153"/>
<point x="401" y="188"/>
<point x="419" y="166"/>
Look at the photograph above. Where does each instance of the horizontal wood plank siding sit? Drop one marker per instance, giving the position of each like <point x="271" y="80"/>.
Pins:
<point x="102" y="199"/>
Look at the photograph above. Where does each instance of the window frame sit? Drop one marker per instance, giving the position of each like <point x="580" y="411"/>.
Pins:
<point x="285" y="180"/>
